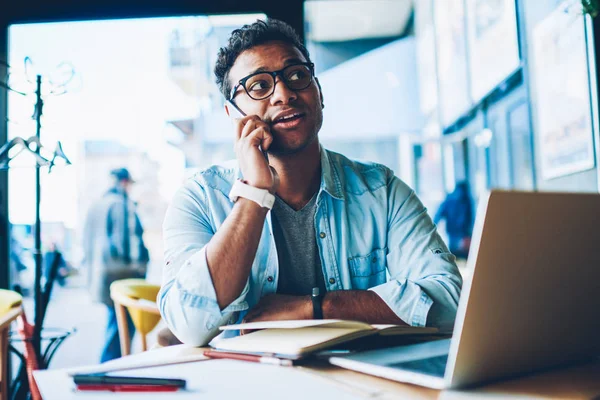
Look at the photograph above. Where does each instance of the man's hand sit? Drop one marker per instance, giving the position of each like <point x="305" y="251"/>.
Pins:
<point x="252" y="132"/>
<point x="275" y="307"/>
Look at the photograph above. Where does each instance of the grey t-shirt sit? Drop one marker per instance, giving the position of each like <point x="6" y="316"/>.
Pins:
<point x="299" y="262"/>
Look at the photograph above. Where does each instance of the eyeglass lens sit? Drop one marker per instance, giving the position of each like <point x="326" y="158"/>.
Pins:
<point x="295" y="77"/>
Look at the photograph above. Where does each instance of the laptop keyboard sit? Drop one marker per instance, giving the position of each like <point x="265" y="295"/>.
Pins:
<point x="434" y="366"/>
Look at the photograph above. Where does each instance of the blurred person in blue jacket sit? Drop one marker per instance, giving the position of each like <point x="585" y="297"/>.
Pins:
<point x="457" y="210"/>
<point x="113" y="249"/>
<point x="290" y="230"/>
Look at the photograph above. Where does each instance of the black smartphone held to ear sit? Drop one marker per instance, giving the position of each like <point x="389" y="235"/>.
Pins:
<point x="235" y="112"/>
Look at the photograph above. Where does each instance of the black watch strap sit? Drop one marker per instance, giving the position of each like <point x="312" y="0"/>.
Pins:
<point x="317" y="300"/>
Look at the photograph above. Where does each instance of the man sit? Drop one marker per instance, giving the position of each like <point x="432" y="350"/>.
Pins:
<point x="337" y="227"/>
<point x="456" y="209"/>
<point x="114" y="249"/>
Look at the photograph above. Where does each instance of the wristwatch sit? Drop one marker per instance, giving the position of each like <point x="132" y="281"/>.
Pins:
<point x="262" y="197"/>
<point x="317" y="300"/>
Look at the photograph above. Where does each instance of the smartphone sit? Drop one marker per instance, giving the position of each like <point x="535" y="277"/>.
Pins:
<point x="235" y="112"/>
<point x="101" y="379"/>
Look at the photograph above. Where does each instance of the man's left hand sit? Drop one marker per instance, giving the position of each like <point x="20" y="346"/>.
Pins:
<point x="274" y="307"/>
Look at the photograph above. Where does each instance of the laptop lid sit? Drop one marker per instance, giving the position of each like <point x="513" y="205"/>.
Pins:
<point x="533" y="296"/>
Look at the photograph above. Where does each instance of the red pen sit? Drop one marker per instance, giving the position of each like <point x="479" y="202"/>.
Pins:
<point x="248" y="357"/>
<point x="128" y="388"/>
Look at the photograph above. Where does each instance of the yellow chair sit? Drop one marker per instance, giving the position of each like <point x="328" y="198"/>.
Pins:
<point x="10" y="309"/>
<point x="139" y="297"/>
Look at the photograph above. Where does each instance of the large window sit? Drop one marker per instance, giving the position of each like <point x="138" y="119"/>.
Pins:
<point x="138" y="94"/>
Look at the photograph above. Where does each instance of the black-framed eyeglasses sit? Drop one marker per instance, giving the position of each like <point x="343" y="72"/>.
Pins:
<point x="261" y="85"/>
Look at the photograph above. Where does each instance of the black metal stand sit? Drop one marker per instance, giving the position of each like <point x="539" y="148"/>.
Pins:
<point x="37" y="286"/>
<point x="19" y="389"/>
<point x="41" y="297"/>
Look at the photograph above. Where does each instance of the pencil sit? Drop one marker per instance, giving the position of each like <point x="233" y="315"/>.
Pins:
<point x="248" y="357"/>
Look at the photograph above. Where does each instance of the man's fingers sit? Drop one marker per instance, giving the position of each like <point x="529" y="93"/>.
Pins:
<point x="267" y="141"/>
<point x="250" y="315"/>
<point x="249" y="124"/>
<point x="241" y="123"/>
<point x="258" y="137"/>
<point x="253" y="125"/>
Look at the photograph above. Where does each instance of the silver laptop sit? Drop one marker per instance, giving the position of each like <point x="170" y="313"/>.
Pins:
<point x="531" y="301"/>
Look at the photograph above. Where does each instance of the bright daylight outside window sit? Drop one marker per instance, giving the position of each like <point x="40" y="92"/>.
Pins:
<point x="134" y="94"/>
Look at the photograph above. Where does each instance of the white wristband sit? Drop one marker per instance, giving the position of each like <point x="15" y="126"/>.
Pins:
<point x="262" y="197"/>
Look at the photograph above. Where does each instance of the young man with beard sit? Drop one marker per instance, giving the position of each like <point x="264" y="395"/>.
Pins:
<point x="344" y="239"/>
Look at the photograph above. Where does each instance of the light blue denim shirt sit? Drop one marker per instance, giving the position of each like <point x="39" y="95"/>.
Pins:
<point x="372" y="233"/>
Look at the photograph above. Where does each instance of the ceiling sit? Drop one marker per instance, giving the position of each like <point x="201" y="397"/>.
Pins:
<point x="342" y="20"/>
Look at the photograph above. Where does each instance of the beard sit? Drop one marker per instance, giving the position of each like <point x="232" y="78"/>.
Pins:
<point x="282" y="147"/>
<point x="285" y="143"/>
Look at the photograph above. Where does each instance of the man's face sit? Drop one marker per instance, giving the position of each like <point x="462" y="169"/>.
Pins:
<point x="126" y="185"/>
<point x="289" y="136"/>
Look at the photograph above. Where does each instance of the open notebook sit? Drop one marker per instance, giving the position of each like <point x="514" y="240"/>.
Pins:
<point x="301" y="337"/>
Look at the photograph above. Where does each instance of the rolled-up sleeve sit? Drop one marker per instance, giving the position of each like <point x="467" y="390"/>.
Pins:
<point x="187" y="298"/>
<point x="425" y="283"/>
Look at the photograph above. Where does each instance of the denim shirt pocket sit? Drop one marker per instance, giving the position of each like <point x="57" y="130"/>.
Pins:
<point x="368" y="271"/>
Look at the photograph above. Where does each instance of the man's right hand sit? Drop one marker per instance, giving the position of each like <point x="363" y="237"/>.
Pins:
<point x="252" y="132"/>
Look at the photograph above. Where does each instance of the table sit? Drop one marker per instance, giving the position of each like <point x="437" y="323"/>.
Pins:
<point x="229" y="379"/>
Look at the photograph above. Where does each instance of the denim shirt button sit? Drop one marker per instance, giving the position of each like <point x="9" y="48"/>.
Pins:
<point x="331" y="280"/>
<point x="270" y="279"/>
<point x="322" y="235"/>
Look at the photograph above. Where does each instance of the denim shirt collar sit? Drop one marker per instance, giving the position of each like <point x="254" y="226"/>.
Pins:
<point x="330" y="179"/>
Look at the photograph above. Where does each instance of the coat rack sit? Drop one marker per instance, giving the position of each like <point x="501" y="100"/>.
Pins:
<point x="33" y="146"/>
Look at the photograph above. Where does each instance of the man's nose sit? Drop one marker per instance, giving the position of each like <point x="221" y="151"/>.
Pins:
<point x="282" y="94"/>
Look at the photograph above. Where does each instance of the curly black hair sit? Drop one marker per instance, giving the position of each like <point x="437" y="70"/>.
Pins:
<point x="249" y="36"/>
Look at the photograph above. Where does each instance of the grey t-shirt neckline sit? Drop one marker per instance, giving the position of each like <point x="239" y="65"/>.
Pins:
<point x="297" y="252"/>
<point x="282" y="206"/>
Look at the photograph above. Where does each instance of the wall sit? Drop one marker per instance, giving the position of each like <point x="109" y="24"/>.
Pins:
<point x="327" y="55"/>
<point x="382" y="82"/>
<point x="586" y="181"/>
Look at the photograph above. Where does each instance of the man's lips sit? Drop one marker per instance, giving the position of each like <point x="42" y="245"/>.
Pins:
<point x="288" y="122"/>
<point x="288" y="113"/>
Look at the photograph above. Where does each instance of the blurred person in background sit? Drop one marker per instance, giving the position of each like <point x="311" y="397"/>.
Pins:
<point x="113" y="249"/>
<point x="17" y="266"/>
<point x="63" y="268"/>
<point x="457" y="210"/>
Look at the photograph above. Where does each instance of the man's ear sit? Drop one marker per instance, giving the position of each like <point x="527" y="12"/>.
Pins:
<point x="320" y="92"/>
<point x="226" y="106"/>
